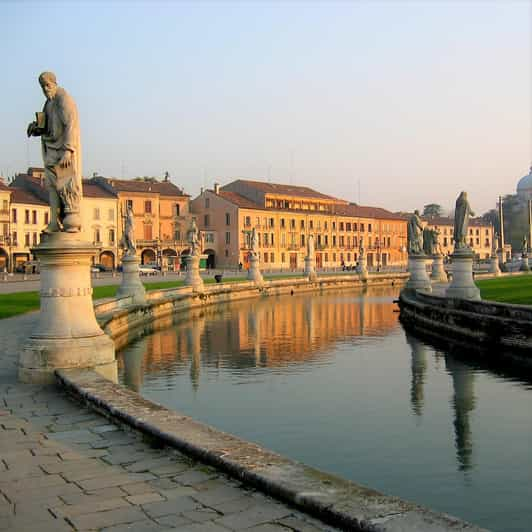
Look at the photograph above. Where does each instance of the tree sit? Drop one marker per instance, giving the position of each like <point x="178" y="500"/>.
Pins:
<point x="432" y="210"/>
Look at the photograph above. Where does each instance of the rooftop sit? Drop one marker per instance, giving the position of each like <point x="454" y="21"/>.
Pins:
<point x="164" y="188"/>
<point x="19" y="195"/>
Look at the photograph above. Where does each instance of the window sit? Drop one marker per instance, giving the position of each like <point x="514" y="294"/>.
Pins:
<point x="341" y="226"/>
<point x="292" y="223"/>
<point x="302" y="241"/>
<point x="477" y="232"/>
<point x="177" y="234"/>
<point x="478" y="241"/>
<point x="272" y="257"/>
<point x="487" y="243"/>
<point x="445" y="241"/>
<point x="97" y="235"/>
<point x="362" y="227"/>
<point x="341" y="241"/>
<point x="96" y="215"/>
<point x="271" y="239"/>
<point x="227" y="237"/>
<point x="334" y="257"/>
<point x="34" y="217"/>
<point x="27" y="217"/>
<point x="283" y="258"/>
<point x="282" y="224"/>
<point x="247" y="221"/>
<point x="334" y="226"/>
<point x="311" y="224"/>
<point x="369" y="228"/>
<point x="325" y="225"/>
<point x="209" y="237"/>
<point x="283" y="240"/>
<point x="334" y="240"/>
<point x="5" y="229"/>
<point x="147" y="206"/>
<point x="265" y="239"/>
<point x="348" y="226"/>
<point x="14" y="238"/>
<point x="326" y="257"/>
<point x="111" y="215"/>
<point x="14" y="215"/>
<point x="177" y="209"/>
<point x="5" y="206"/>
<point x="272" y="222"/>
<point x="206" y="220"/>
<point x="129" y="204"/>
<point x="27" y="240"/>
<point x="326" y="240"/>
<point x="265" y="257"/>
<point x="34" y="239"/>
<point x="111" y="236"/>
<point x="355" y="227"/>
<point x="148" y="235"/>
<point x="46" y="218"/>
<point x="227" y="219"/>
<point x="227" y="253"/>
<point x="207" y="203"/>
<point x="302" y="224"/>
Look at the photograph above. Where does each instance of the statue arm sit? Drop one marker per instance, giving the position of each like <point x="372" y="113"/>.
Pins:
<point x="69" y="119"/>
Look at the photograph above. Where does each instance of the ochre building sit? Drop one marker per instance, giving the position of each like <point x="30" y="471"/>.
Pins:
<point x="284" y="217"/>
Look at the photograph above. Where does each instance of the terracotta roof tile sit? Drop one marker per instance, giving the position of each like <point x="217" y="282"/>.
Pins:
<point x="164" y="188"/>
<point x="19" y="195"/>
<point x="239" y="200"/>
<point x="445" y="220"/>
<point x="288" y="190"/>
<point x="363" y="211"/>
<point x="90" y="190"/>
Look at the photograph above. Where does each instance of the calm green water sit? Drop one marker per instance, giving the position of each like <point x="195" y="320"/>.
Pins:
<point x="333" y="380"/>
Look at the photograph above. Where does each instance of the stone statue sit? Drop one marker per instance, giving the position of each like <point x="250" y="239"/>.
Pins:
<point x="193" y="238"/>
<point x="462" y="213"/>
<point x="495" y="241"/>
<point x="431" y="242"/>
<point x="524" y="245"/>
<point x="415" y="235"/>
<point x="58" y="127"/>
<point x="310" y="246"/>
<point x="255" y="242"/>
<point x="128" y="240"/>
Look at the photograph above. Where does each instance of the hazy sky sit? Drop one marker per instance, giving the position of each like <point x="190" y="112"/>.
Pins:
<point x="408" y="102"/>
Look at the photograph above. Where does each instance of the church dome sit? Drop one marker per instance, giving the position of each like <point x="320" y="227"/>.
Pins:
<point x="525" y="183"/>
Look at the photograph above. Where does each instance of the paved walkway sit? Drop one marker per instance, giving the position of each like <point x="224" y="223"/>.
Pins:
<point x="63" y="467"/>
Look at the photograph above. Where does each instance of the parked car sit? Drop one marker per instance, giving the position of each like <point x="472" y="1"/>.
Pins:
<point x="102" y="268"/>
<point x="147" y="269"/>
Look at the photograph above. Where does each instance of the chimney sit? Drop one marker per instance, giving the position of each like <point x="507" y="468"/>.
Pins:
<point x="202" y="190"/>
<point x="217" y="188"/>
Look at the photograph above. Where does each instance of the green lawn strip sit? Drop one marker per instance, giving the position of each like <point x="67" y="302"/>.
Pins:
<point x="22" y="302"/>
<point x="517" y="290"/>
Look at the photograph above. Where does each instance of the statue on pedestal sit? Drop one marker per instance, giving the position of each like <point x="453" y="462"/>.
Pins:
<point x="524" y="245"/>
<point x="58" y="127"/>
<point x="310" y="246"/>
<point x="462" y="214"/>
<point x="254" y="243"/>
<point x="415" y="235"/>
<point x="193" y="238"/>
<point x="128" y="239"/>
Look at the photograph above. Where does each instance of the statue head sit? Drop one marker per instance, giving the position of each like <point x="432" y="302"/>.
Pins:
<point x="48" y="83"/>
<point x="416" y="212"/>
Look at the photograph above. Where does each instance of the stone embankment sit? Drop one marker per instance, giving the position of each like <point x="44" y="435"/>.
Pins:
<point x="484" y="323"/>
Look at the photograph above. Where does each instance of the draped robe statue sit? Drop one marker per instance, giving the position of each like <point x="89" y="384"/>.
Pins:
<point x="462" y="213"/>
<point x="310" y="246"/>
<point x="128" y="240"/>
<point x="193" y="238"/>
<point x="254" y="242"/>
<point x="58" y="127"/>
<point x="415" y="235"/>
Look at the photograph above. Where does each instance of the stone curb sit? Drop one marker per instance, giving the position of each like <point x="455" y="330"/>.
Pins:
<point x="332" y="499"/>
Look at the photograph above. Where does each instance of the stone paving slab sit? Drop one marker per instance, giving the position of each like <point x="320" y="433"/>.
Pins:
<point x="52" y="478"/>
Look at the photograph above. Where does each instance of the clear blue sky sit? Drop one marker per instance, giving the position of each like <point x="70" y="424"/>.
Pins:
<point x="413" y="100"/>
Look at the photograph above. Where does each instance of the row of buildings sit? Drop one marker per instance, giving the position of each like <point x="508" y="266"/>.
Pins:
<point x="284" y="217"/>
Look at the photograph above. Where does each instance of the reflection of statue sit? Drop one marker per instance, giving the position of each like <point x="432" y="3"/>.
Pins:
<point x="415" y="235"/>
<point x="461" y="221"/>
<point x="58" y="127"/>
<point x="193" y="237"/>
<point x="310" y="246"/>
<point x="254" y="242"/>
<point x="128" y="240"/>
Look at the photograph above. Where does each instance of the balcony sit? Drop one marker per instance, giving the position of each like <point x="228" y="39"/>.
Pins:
<point x="146" y="243"/>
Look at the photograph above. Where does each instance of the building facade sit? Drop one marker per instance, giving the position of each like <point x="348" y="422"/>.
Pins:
<point x="161" y="217"/>
<point x="5" y="230"/>
<point x="480" y="237"/>
<point x="284" y="216"/>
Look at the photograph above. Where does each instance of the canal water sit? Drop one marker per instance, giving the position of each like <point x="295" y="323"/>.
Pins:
<point x="333" y="380"/>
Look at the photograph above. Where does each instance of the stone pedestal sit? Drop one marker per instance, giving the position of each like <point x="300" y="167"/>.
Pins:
<point x="494" y="266"/>
<point x="310" y="269"/>
<point x="524" y="263"/>
<point x="362" y="267"/>
<point x="462" y="285"/>
<point x="131" y="284"/>
<point x="192" y="276"/>
<point x="419" y="279"/>
<point x="67" y="334"/>
<point x="254" y="271"/>
<point x="438" y="271"/>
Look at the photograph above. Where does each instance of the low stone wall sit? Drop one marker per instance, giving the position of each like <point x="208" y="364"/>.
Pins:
<point x="483" y="322"/>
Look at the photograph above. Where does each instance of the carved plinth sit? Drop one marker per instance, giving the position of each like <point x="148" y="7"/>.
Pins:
<point x="462" y="285"/>
<point x="419" y="279"/>
<point x="131" y="284"/>
<point x="438" y="271"/>
<point x="192" y="276"/>
<point x="524" y="263"/>
<point x="254" y="271"/>
<point x="67" y="334"/>
<point x="362" y="267"/>
<point x="494" y="266"/>
<point x="310" y="269"/>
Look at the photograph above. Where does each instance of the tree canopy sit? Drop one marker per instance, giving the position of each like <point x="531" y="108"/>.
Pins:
<point x="432" y="210"/>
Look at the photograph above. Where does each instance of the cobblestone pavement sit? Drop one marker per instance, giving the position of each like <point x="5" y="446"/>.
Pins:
<point x="64" y="467"/>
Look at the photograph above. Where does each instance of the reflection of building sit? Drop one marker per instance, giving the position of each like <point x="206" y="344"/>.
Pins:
<point x="263" y="333"/>
<point x="463" y="404"/>
<point x="419" y="369"/>
<point x="284" y="216"/>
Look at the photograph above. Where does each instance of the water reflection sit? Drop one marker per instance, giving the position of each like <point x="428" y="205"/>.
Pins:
<point x="337" y="367"/>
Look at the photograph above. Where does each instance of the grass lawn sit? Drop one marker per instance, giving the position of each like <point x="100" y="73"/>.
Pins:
<point x="516" y="289"/>
<point x="21" y="302"/>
